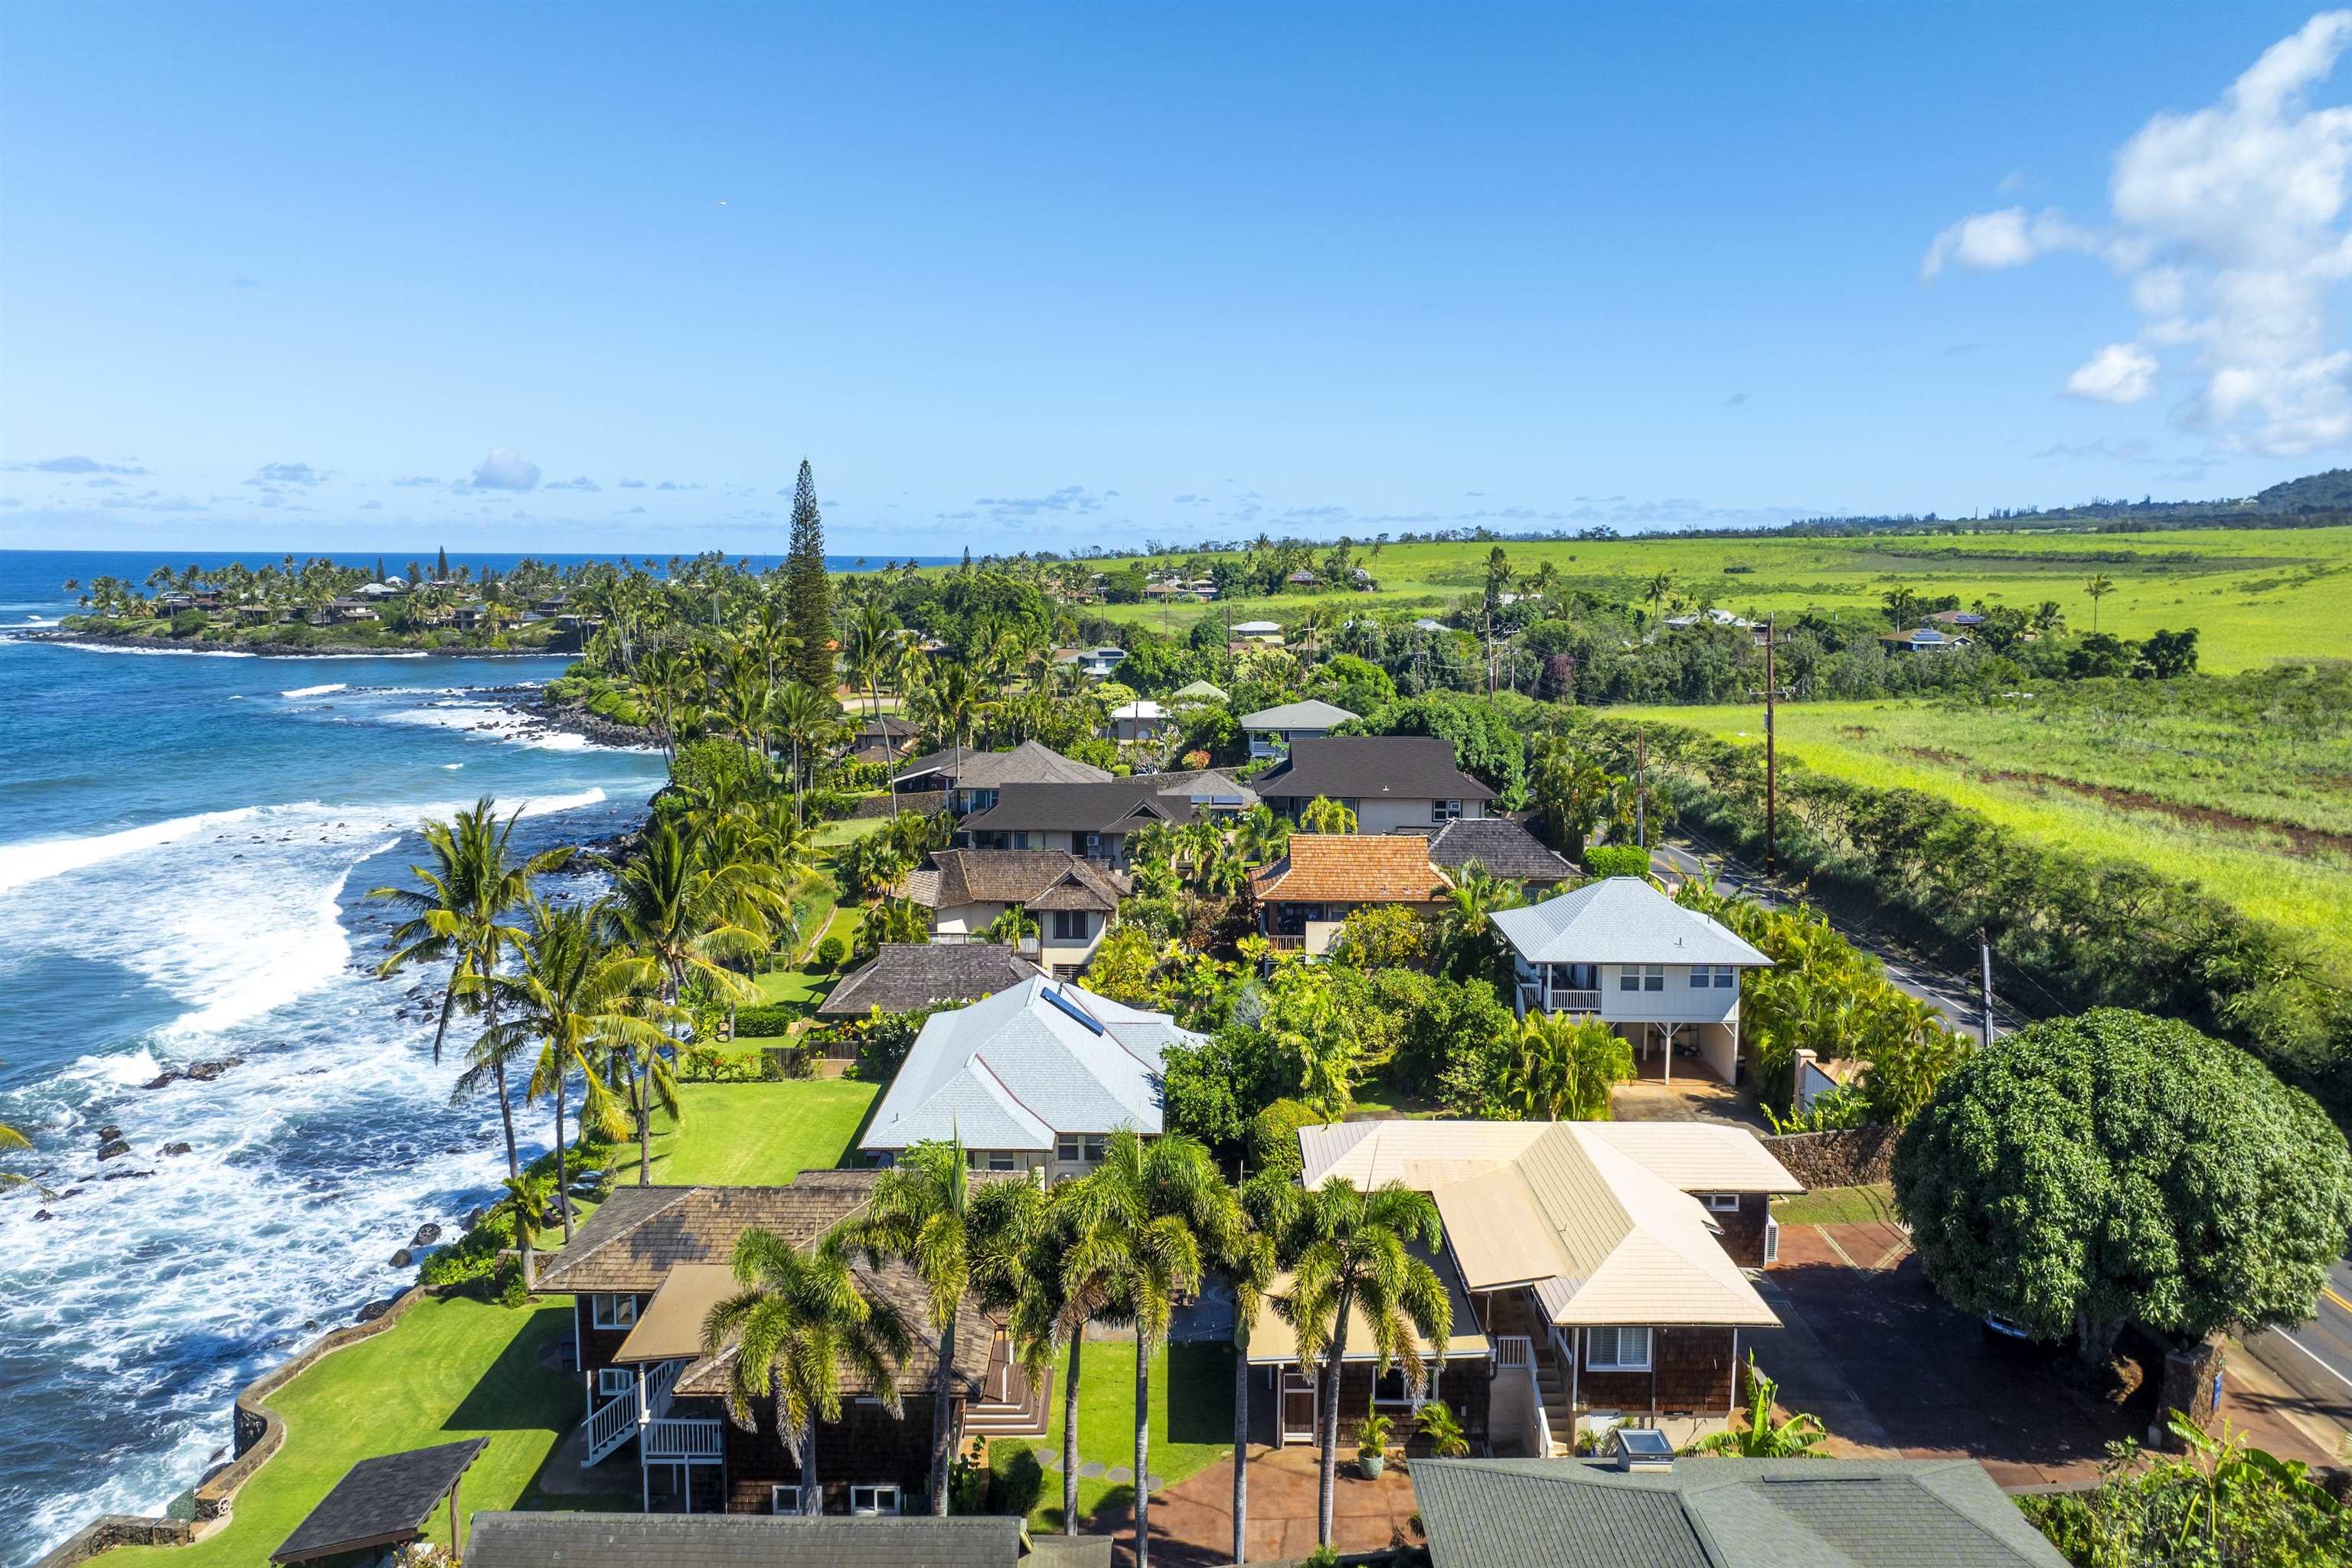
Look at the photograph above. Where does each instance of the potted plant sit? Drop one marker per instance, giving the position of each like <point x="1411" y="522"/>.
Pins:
<point x="1372" y="1446"/>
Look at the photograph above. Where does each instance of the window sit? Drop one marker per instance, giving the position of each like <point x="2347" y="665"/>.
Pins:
<point x="612" y="1311"/>
<point x="1701" y="977"/>
<point x="1001" y="1160"/>
<point x="1095" y="1149"/>
<point x="1070" y="925"/>
<point x="1727" y="978"/>
<point x="1066" y="1150"/>
<point x="612" y="1382"/>
<point x="1444" y="810"/>
<point x="1720" y="1203"/>
<point x="1617" y="1349"/>
<point x="1629" y="978"/>
<point x="1653" y="977"/>
<point x="1391" y="1388"/>
<point x="1772" y="1240"/>
<point x="874" y="1500"/>
<point x="783" y="1500"/>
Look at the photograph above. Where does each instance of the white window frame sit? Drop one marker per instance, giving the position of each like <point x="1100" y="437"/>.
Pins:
<point x="1720" y="1203"/>
<point x="783" y="1498"/>
<point x="1444" y="810"/>
<point x="1069" y="1148"/>
<point x="1653" y="977"/>
<point x="1002" y="1160"/>
<point x="873" y="1496"/>
<point x="1772" y="1240"/>
<point x="1629" y="977"/>
<point x="1413" y="1397"/>
<point x="606" y="1376"/>
<point x="1727" y="977"/>
<point x="612" y="1311"/>
<point x="1616" y="1340"/>
<point x="1702" y="977"/>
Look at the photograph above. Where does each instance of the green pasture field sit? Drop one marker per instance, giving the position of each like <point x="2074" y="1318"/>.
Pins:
<point x="2250" y="798"/>
<point x="2253" y="595"/>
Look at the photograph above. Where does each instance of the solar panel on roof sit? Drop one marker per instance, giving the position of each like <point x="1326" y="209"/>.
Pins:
<point x="1647" y="1441"/>
<point x="1086" y="1020"/>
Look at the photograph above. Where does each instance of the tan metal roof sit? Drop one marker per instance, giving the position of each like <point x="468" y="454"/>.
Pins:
<point x="671" y="1323"/>
<point x="1699" y="1157"/>
<point x="1274" y="1343"/>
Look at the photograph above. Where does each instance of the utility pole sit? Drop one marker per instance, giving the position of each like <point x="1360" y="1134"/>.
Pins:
<point x="1771" y="695"/>
<point x="1984" y="983"/>
<point x="1641" y="787"/>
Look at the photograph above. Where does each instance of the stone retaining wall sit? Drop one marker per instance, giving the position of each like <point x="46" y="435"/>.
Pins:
<point x="1851" y="1157"/>
<point x="260" y="1432"/>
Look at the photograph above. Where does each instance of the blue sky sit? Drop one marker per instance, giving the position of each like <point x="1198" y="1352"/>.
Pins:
<point x="583" y="277"/>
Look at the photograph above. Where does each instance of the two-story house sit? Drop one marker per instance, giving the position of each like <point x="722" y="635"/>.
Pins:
<point x="1071" y="900"/>
<point x="1094" y="820"/>
<point x="1390" y="782"/>
<point x="972" y="779"/>
<point x="1597" y="1265"/>
<point x="1273" y="730"/>
<point x="1501" y="845"/>
<point x="1305" y="898"/>
<point x="644" y="1272"/>
<point x="1034" y="1078"/>
<point x="1665" y="977"/>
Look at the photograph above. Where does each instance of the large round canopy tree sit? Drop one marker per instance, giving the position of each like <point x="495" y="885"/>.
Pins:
<point x="2112" y="1168"/>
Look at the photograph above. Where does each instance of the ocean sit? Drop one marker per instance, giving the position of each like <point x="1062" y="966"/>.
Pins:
<point x="186" y="841"/>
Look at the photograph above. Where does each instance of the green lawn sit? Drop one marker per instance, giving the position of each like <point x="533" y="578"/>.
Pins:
<point x="802" y="984"/>
<point x="452" y="1368"/>
<point x="833" y="834"/>
<point x="1838" y="1205"/>
<point x="739" y="1134"/>
<point x="1192" y="1423"/>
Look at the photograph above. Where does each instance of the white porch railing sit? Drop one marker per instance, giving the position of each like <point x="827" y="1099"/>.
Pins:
<point x="1563" y="1001"/>
<point x="668" y="1441"/>
<point x="1517" y="1352"/>
<point x="618" y="1419"/>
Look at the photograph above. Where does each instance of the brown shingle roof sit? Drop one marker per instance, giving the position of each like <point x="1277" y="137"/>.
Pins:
<point x="1372" y="767"/>
<point x="1014" y="877"/>
<point x="904" y="976"/>
<point x="1351" y="867"/>
<point x="1502" y="846"/>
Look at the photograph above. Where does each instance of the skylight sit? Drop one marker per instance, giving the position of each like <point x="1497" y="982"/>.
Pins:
<point x="1069" y="1005"/>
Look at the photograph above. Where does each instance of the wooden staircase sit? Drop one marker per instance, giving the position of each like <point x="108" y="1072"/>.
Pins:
<point x="1010" y="1408"/>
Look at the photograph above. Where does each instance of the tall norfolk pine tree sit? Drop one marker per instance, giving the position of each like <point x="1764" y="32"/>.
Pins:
<point x="808" y="600"/>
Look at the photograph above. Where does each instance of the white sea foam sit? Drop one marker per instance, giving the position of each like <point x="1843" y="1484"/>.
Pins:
<point x="451" y="767"/>
<point x="316" y="691"/>
<point x="38" y="859"/>
<point x="161" y="652"/>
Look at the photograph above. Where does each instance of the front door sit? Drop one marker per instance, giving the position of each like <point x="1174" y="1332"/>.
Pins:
<point x="1298" y="1405"/>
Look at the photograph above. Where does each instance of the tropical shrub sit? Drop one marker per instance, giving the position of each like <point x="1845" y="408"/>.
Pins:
<point x="768" y="1021"/>
<point x="831" y="952"/>
<point x="1274" y="1135"/>
<point x="2221" y="1503"/>
<point x="1617" y="860"/>
<point x="1384" y="936"/>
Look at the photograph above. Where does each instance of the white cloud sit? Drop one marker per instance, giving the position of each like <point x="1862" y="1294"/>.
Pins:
<point x="2120" y="373"/>
<point x="2009" y="238"/>
<point x="505" y="470"/>
<point x="2228" y="228"/>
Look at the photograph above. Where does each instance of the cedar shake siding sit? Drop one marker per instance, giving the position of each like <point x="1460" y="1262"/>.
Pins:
<point x="868" y="1446"/>
<point x="1743" y="1232"/>
<point x="1690" y="1374"/>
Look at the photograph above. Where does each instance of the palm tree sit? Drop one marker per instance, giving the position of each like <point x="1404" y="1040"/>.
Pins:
<point x="1349" y="1254"/>
<point x="571" y="997"/>
<point x="806" y="716"/>
<point x="471" y="886"/>
<point x="12" y="1139"/>
<point x="1247" y="1262"/>
<point x="2049" y="618"/>
<point x="681" y="915"/>
<point x="1565" y="1067"/>
<point x="1026" y="1237"/>
<point x="799" y="1320"/>
<point x="1473" y="944"/>
<point x="2098" y="587"/>
<point x="1260" y="835"/>
<point x="1142" y="1216"/>
<point x="951" y="703"/>
<point x="921" y="1213"/>
<point x="526" y="1206"/>
<point x="1655" y="591"/>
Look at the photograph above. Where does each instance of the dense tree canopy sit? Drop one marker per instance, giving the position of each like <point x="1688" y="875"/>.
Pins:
<point x="2111" y="1168"/>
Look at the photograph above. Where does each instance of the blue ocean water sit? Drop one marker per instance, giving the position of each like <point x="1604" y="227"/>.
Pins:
<point x="185" y="844"/>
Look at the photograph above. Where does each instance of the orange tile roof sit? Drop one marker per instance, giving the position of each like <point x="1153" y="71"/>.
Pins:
<point x="1355" y="868"/>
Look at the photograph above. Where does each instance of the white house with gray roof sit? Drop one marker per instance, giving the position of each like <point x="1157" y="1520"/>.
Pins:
<point x="1620" y="950"/>
<point x="1035" y="1077"/>
<point x="1273" y="730"/>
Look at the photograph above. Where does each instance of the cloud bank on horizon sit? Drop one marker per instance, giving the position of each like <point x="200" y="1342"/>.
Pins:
<point x="2225" y="230"/>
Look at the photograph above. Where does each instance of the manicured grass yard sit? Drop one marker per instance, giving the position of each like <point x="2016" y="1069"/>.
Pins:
<point x="803" y="984"/>
<point x="1192" y="1423"/>
<point x="1838" y="1205"/>
<point x="451" y="1369"/>
<point x="737" y="1133"/>
<point x="833" y="834"/>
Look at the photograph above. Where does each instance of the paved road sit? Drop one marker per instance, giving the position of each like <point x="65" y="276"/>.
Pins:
<point x="2315" y="1360"/>
<point x="1955" y="995"/>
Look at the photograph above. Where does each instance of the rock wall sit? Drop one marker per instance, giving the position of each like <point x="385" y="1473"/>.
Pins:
<point x="1852" y="1157"/>
<point x="260" y="1432"/>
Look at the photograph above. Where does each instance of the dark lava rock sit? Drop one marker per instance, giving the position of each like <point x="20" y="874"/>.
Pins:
<point x="43" y="1214"/>
<point x="175" y="1149"/>
<point x="426" y="1234"/>
<point x="124" y="1175"/>
<point x="113" y="1146"/>
<point x="374" y="1309"/>
<point x="404" y="1258"/>
<point x="204" y="1072"/>
<point x="169" y="1076"/>
<point x="108" y="1135"/>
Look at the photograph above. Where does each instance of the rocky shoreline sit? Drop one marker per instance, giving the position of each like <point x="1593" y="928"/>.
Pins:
<point x="268" y="650"/>
<point x="572" y="719"/>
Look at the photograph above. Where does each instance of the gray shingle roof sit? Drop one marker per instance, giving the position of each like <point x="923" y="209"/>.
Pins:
<point x="1028" y="762"/>
<point x="1621" y="920"/>
<point x="1311" y="714"/>
<point x="1372" y="767"/>
<point x="1500" y="845"/>
<point x="1719" y="1514"/>
<point x="904" y="976"/>
<point x="962" y="877"/>
<point x="380" y="1501"/>
<point x="1012" y="1071"/>
<point x="1117" y="805"/>
<point x="740" y="1541"/>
